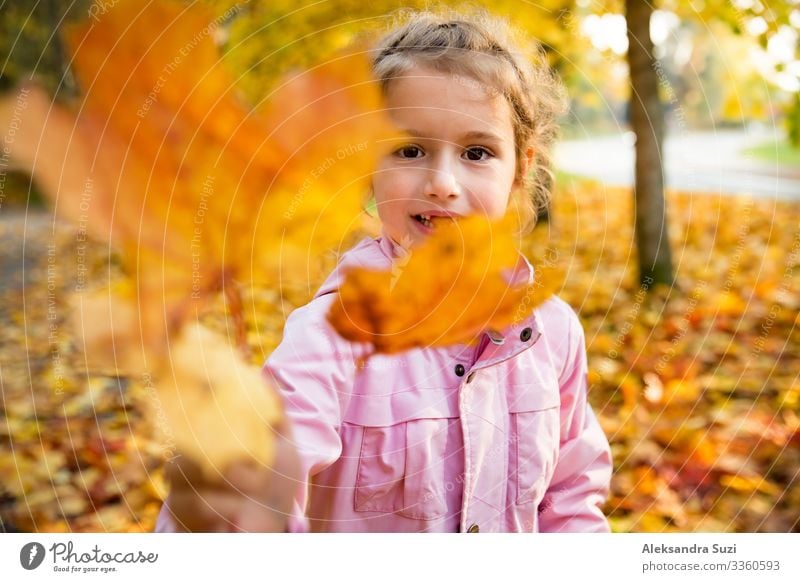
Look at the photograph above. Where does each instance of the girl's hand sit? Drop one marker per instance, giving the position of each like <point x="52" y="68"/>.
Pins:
<point x="249" y="498"/>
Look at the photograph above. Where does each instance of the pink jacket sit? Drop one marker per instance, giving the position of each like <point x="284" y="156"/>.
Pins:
<point x="497" y="438"/>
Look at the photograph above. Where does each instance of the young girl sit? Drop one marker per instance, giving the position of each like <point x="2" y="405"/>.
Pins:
<point x="493" y="438"/>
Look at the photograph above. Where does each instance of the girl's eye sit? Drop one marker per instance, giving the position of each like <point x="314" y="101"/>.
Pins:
<point x="409" y="152"/>
<point x="477" y="154"/>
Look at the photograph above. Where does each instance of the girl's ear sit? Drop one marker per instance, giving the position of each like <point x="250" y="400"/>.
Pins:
<point x="526" y="161"/>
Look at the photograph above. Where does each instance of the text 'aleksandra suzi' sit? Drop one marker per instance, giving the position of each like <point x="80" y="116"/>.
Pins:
<point x="692" y="549"/>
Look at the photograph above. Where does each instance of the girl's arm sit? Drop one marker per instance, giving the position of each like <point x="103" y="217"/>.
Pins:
<point x="314" y="371"/>
<point x="311" y="369"/>
<point x="250" y="497"/>
<point x="582" y="475"/>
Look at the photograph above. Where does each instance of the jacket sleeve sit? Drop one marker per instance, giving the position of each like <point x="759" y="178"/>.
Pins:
<point x="313" y="370"/>
<point x="580" y="484"/>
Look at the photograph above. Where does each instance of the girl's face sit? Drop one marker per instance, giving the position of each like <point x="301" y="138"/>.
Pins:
<point x="458" y="157"/>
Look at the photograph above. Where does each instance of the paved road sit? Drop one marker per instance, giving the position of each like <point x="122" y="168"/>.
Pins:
<point x="699" y="161"/>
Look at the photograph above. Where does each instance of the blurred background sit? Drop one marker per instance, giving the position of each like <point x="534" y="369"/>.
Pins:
<point x="684" y="267"/>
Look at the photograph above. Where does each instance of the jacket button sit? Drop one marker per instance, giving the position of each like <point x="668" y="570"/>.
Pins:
<point x="460" y="370"/>
<point x="473" y="528"/>
<point x="526" y="334"/>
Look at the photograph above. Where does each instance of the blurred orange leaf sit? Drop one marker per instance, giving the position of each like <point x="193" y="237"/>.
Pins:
<point x="197" y="191"/>
<point x="453" y="286"/>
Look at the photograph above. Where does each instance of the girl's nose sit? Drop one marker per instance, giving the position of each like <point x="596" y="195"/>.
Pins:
<point x="442" y="183"/>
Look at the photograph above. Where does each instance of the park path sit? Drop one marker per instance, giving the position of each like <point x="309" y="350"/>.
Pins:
<point x="712" y="161"/>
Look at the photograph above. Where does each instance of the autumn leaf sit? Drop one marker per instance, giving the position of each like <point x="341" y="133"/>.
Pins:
<point x="197" y="192"/>
<point x="454" y="285"/>
<point x="104" y="325"/>
<point x="192" y="186"/>
<point x="219" y="408"/>
<point x="206" y="189"/>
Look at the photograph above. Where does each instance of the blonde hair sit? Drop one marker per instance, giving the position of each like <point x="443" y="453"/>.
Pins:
<point x="483" y="48"/>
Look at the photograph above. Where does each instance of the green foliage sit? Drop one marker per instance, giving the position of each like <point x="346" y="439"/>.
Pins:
<point x="793" y="121"/>
<point x="778" y="153"/>
<point x="265" y="40"/>
<point x="773" y="16"/>
<point x="709" y="73"/>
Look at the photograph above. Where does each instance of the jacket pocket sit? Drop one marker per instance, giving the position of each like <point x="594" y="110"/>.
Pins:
<point x="402" y="465"/>
<point x="535" y="426"/>
<point x="381" y="469"/>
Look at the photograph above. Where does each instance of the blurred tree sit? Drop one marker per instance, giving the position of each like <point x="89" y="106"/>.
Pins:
<point x="31" y="47"/>
<point x="647" y="113"/>
<point x="647" y="121"/>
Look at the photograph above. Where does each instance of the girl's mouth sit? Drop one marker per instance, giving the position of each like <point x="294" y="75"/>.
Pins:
<point x="424" y="220"/>
<point x="427" y="223"/>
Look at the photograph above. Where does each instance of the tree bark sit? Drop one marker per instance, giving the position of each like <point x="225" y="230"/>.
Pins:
<point x="647" y="122"/>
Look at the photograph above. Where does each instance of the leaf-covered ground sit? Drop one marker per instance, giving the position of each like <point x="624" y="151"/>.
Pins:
<point x="696" y="386"/>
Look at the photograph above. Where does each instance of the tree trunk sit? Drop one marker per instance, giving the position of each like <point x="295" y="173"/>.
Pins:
<point x="647" y="122"/>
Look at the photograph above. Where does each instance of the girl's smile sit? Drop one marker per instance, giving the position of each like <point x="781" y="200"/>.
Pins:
<point x="458" y="158"/>
<point x="428" y="221"/>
